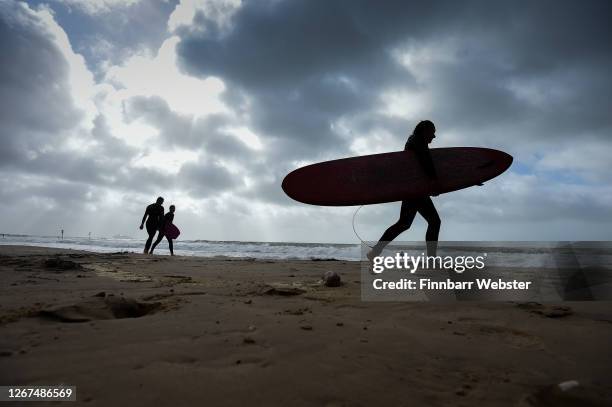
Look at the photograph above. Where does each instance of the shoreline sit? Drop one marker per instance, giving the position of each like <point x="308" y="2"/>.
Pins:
<point x="61" y="249"/>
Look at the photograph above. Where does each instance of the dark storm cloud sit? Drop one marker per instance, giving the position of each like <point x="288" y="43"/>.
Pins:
<point x="283" y="43"/>
<point x="304" y="113"/>
<point x="113" y="34"/>
<point x="306" y="64"/>
<point x="36" y="104"/>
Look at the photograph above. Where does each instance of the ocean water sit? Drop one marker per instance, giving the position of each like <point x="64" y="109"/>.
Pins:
<point x="203" y="248"/>
<point x="499" y="254"/>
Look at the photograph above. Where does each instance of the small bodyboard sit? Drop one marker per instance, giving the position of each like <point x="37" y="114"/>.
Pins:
<point x="171" y="231"/>
<point x="390" y="177"/>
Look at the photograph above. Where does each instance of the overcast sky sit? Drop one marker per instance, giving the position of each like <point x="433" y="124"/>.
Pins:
<point x="107" y="104"/>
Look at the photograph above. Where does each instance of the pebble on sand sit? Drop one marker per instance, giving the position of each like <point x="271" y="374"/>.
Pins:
<point x="332" y="279"/>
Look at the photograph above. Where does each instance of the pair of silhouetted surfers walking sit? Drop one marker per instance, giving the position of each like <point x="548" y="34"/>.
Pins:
<point x="423" y="134"/>
<point x="156" y="221"/>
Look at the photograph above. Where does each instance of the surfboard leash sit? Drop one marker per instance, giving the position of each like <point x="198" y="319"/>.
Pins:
<point x="355" y="231"/>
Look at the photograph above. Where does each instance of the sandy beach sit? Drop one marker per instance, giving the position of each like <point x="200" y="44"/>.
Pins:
<point x="137" y="330"/>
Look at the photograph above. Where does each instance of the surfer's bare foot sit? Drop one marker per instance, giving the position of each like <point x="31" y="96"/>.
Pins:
<point x="145" y="251"/>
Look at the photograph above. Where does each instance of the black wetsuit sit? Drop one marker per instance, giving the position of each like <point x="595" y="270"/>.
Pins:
<point x="155" y="220"/>
<point x="421" y="148"/>
<point x="424" y="205"/>
<point x="168" y="218"/>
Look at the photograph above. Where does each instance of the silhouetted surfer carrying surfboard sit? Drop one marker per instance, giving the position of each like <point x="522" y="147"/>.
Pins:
<point x="412" y="176"/>
<point x="423" y="134"/>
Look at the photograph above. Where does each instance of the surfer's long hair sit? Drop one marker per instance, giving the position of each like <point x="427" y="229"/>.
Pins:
<point x="420" y="128"/>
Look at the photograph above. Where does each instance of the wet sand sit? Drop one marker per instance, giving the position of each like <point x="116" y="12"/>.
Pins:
<point x="137" y="330"/>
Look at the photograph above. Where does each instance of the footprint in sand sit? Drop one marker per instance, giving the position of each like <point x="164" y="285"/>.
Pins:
<point x="99" y="308"/>
<point x="60" y="264"/>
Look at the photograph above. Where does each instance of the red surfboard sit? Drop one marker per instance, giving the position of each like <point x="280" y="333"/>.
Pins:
<point x="390" y="177"/>
<point x="171" y="231"/>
